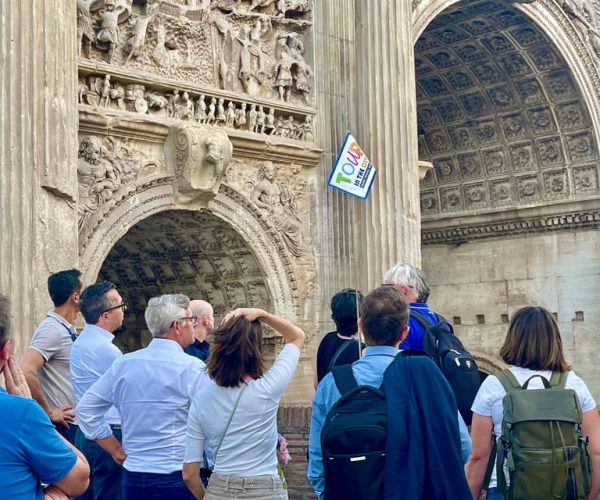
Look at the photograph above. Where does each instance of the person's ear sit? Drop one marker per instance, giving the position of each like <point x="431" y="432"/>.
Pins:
<point x="5" y="351"/>
<point x="404" y="333"/>
<point x="359" y="323"/>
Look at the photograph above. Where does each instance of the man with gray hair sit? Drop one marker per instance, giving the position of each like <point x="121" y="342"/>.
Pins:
<point x="152" y="389"/>
<point x="410" y="282"/>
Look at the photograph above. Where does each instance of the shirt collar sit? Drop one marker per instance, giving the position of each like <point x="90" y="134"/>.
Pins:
<point x="168" y="344"/>
<point x="60" y="319"/>
<point x="375" y="350"/>
<point x="97" y="331"/>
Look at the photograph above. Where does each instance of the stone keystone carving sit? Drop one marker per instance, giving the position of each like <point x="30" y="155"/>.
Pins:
<point x="199" y="156"/>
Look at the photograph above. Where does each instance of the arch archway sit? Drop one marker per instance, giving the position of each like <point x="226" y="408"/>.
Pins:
<point x="233" y="247"/>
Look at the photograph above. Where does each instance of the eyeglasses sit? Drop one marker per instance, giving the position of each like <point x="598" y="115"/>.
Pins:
<point x="122" y="305"/>
<point x="193" y="319"/>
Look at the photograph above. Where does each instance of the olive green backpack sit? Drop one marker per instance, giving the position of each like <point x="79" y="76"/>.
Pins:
<point x="541" y="453"/>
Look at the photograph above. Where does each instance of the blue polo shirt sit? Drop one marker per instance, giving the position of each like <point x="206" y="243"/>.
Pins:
<point x="31" y="451"/>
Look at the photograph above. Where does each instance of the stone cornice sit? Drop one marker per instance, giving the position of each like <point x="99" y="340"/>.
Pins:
<point x="155" y="129"/>
<point x="584" y="215"/>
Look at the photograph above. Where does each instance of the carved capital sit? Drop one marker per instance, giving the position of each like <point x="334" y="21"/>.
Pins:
<point x="200" y="157"/>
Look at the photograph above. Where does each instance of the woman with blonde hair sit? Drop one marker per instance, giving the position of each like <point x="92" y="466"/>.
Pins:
<point x="236" y="414"/>
<point x="532" y="347"/>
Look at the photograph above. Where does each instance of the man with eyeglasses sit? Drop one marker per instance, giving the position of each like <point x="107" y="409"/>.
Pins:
<point x="92" y="354"/>
<point x="45" y="362"/>
<point x="152" y="390"/>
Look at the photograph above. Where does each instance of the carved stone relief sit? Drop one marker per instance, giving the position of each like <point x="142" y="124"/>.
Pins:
<point x="106" y="171"/>
<point x="499" y="113"/>
<point x="276" y="199"/>
<point x="200" y="156"/>
<point x="105" y="92"/>
<point x="255" y="47"/>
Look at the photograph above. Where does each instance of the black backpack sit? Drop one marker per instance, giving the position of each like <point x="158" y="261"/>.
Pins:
<point x="457" y="364"/>
<point x="353" y="440"/>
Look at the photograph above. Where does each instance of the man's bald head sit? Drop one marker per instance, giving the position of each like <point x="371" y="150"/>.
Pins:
<point x="204" y="311"/>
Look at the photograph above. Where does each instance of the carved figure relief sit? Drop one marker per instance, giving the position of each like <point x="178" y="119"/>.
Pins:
<point x="252" y="47"/>
<point x="105" y="92"/>
<point x="277" y="201"/>
<point x="104" y="167"/>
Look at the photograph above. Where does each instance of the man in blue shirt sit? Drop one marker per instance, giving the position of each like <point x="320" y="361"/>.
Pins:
<point x="410" y="282"/>
<point x="31" y="450"/>
<point x="92" y="355"/>
<point x="386" y="312"/>
<point x="204" y="323"/>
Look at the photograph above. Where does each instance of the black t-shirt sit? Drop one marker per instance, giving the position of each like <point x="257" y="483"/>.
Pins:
<point x="327" y="349"/>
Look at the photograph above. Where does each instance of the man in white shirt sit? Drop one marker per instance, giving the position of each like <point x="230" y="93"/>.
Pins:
<point x="92" y="355"/>
<point x="152" y="389"/>
<point x="45" y="362"/>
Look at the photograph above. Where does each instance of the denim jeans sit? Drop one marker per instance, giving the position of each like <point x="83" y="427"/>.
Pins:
<point x="493" y="494"/>
<point x="151" y="486"/>
<point x="106" y="476"/>
<point x="68" y="433"/>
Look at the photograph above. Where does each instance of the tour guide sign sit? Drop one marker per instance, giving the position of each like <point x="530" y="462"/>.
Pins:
<point x="352" y="172"/>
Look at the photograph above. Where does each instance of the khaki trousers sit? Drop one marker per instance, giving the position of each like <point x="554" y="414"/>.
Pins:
<point x="263" y="487"/>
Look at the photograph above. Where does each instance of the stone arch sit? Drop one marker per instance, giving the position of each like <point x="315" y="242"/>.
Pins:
<point x="529" y="135"/>
<point x="487" y="363"/>
<point x="233" y="209"/>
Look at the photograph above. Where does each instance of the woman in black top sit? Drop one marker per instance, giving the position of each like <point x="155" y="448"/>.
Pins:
<point x="334" y="349"/>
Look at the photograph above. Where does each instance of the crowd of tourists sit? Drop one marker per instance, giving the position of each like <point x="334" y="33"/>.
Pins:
<point x="184" y="418"/>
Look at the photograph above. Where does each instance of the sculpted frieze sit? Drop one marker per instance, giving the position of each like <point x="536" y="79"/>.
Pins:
<point x="254" y="47"/>
<point x="107" y="171"/>
<point x="106" y="92"/>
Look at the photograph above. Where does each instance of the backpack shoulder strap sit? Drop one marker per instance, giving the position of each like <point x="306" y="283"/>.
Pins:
<point x="420" y="318"/>
<point x="340" y="350"/>
<point x="508" y="380"/>
<point x="558" y="380"/>
<point x="344" y="378"/>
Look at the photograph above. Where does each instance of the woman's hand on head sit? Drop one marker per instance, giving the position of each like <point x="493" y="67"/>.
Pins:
<point x="250" y="313"/>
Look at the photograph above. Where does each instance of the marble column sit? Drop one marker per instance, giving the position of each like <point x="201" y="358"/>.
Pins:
<point x="38" y="152"/>
<point x="386" y="128"/>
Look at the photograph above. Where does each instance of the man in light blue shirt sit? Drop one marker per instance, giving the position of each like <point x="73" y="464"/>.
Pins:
<point x="152" y="389"/>
<point x="92" y="355"/>
<point x="382" y="347"/>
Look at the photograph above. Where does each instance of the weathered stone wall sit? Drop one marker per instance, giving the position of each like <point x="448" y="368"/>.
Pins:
<point x="293" y="421"/>
<point x="484" y="283"/>
<point x="38" y="143"/>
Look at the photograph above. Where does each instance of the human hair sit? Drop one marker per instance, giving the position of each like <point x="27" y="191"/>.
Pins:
<point x="94" y="301"/>
<point x="62" y="284"/>
<point x="5" y="320"/>
<point x="236" y="352"/>
<point x="408" y="275"/>
<point x="533" y="341"/>
<point x="384" y="314"/>
<point x="162" y="311"/>
<point x="344" y="310"/>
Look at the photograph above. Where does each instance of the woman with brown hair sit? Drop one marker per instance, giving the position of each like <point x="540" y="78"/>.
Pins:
<point x="236" y="414"/>
<point x="532" y="347"/>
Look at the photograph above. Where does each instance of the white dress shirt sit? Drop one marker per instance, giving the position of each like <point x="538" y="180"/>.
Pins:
<point x="152" y="388"/>
<point x="91" y="355"/>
